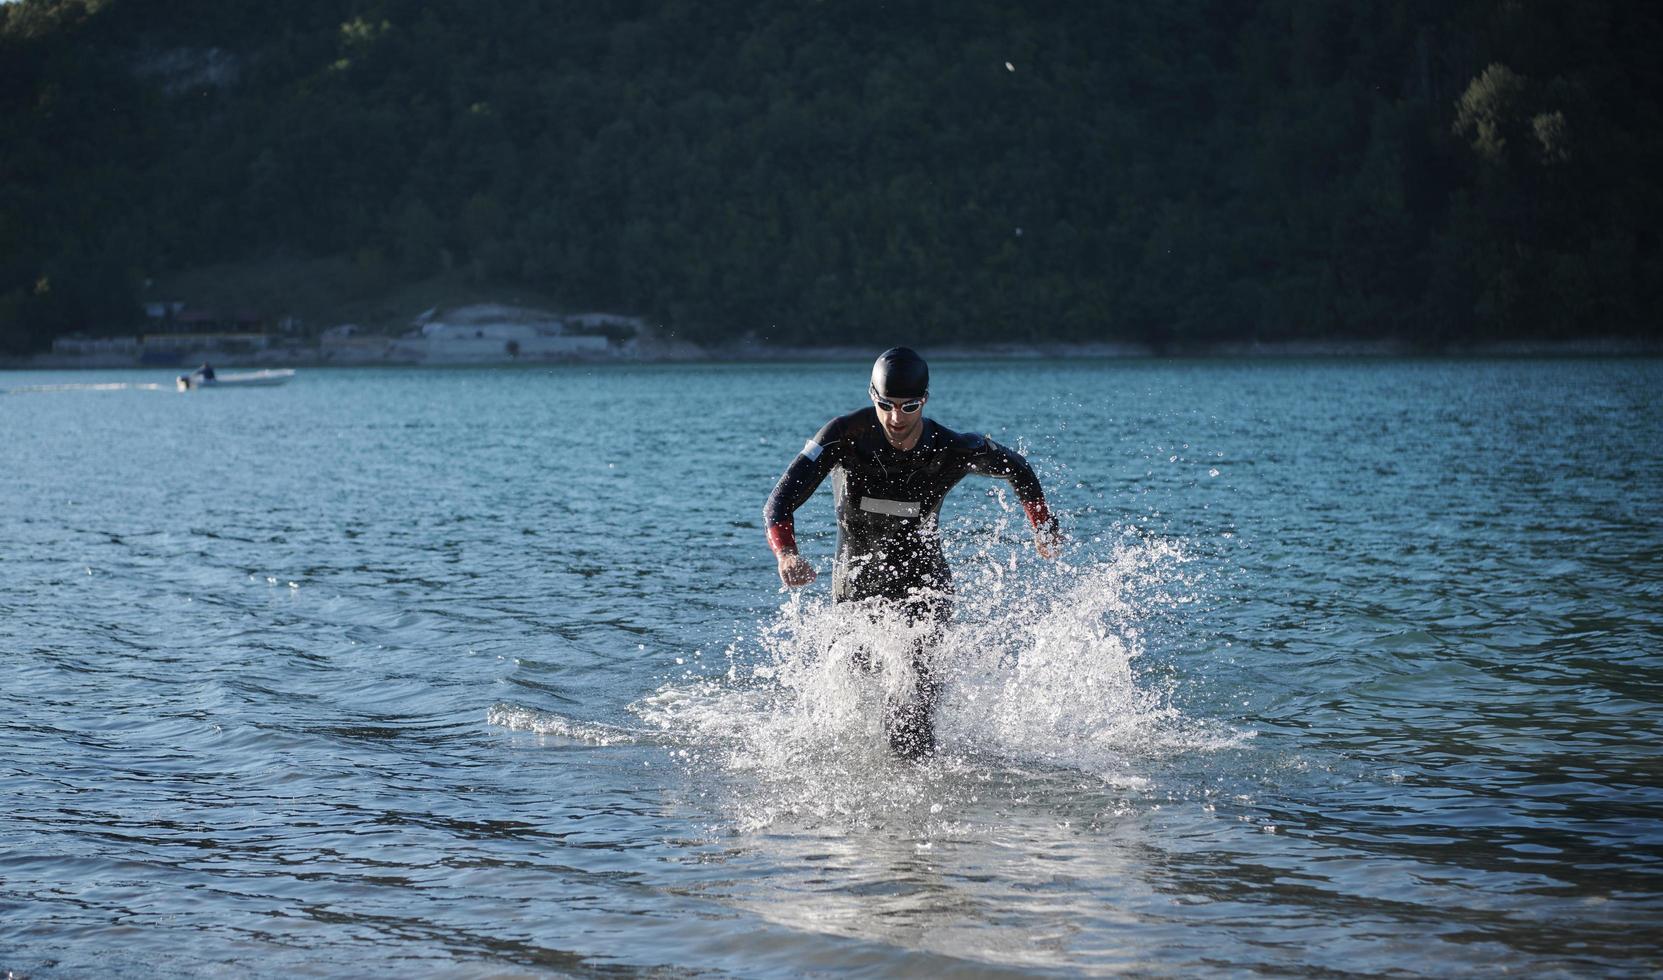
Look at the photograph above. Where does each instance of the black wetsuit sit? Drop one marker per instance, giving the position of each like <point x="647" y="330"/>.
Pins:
<point x="888" y="504"/>
<point x="888" y="500"/>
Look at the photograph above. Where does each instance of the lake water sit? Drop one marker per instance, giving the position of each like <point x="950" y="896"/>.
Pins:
<point x="1349" y="668"/>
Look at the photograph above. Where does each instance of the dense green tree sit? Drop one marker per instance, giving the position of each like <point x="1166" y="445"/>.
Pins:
<point x="1179" y="173"/>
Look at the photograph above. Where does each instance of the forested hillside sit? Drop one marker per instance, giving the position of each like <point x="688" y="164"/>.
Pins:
<point x="851" y="170"/>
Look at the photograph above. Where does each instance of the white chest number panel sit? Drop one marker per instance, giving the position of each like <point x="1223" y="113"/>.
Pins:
<point x="894" y="508"/>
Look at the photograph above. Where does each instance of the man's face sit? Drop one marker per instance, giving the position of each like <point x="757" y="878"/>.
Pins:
<point x="900" y="426"/>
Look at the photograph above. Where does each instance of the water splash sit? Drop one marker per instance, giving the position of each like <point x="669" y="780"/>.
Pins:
<point x="1038" y="684"/>
<point x="547" y="723"/>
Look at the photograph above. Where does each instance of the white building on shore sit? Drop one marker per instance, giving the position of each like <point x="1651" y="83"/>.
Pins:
<point x="494" y="334"/>
<point x="452" y="342"/>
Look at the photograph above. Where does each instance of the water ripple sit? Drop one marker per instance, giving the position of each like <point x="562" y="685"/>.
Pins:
<point x="1351" y="669"/>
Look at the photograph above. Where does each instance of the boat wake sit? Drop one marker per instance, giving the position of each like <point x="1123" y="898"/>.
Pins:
<point x="88" y="386"/>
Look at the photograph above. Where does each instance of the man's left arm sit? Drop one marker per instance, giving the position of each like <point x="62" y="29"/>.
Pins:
<point x="991" y="459"/>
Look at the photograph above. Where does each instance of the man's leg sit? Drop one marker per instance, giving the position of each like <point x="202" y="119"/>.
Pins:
<point x="910" y="722"/>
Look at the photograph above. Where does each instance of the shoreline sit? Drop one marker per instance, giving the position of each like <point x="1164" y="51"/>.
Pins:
<point x="655" y="351"/>
<point x="1246" y="350"/>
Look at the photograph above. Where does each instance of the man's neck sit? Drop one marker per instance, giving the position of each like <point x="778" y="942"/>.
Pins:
<point x="906" y="444"/>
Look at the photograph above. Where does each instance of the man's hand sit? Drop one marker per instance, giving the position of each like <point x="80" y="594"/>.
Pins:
<point x="795" y="570"/>
<point x="1048" y="540"/>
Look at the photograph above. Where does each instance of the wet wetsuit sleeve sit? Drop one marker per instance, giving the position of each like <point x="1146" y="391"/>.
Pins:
<point x="801" y="479"/>
<point x="991" y="459"/>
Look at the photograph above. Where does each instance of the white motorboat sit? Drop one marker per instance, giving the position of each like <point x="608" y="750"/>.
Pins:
<point x="248" y="379"/>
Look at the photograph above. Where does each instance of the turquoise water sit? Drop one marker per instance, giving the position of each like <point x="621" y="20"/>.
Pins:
<point x="1350" y="668"/>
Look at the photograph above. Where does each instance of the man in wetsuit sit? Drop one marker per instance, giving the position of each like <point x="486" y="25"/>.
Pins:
<point x="891" y="468"/>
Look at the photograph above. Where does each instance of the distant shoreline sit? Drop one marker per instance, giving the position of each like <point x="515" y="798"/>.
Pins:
<point x="656" y="351"/>
<point x="1046" y="350"/>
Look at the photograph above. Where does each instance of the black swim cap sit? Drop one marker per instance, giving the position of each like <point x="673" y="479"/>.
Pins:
<point x="900" y="373"/>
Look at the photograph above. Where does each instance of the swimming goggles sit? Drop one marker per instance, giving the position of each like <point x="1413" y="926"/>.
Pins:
<point x="909" y="406"/>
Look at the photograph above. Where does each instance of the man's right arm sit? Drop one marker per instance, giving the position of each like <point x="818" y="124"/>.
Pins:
<point x="805" y="474"/>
